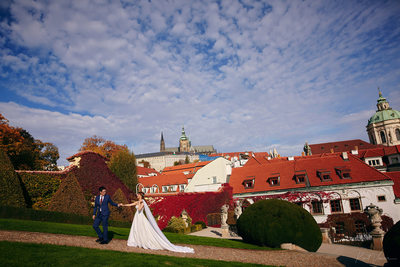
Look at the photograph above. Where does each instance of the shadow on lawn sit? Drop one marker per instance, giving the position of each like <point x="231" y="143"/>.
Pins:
<point x="111" y="235"/>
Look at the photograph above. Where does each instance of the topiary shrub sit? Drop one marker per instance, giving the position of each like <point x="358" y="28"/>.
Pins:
<point x="273" y="222"/>
<point x="40" y="188"/>
<point x="123" y="214"/>
<point x="391" y="245"/>
<point x="11" y="193"/>
<point x="177" y="225"/>
<point x="203" y="224"/>
<point x="69" y="198"/>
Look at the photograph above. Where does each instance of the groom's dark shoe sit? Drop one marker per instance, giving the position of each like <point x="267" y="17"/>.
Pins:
<point x="99" y="240"/>
<point x="104" y="242"/>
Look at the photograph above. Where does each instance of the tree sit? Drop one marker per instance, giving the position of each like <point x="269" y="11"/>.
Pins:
<point x="24" y="151"/>
<point x="187" y="161"/>
<point x="103" y="147"/>
<point x="49" y="156"/>
<point x="123" y="165"/>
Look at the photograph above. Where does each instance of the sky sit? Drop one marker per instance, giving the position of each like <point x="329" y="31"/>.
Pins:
<point x="238" y="75"/>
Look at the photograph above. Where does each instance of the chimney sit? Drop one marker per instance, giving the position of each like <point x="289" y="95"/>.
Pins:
<point x="302" y="154"/>
<point x="290" y="158"/>
<point x="331" y="150"/>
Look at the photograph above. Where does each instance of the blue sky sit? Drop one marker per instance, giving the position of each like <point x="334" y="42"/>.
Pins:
<point x="239" y="75"/>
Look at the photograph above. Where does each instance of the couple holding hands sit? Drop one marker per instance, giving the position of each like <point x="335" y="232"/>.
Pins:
<point x="144" y="232"/>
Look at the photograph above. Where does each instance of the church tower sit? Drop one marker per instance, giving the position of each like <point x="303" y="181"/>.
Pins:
<point x="184" y="143"/>
<point x="384" y="127"/>
<point x="162" y="143"/>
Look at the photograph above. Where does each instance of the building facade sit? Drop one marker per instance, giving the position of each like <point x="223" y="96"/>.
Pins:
<point x="384" y="126"/>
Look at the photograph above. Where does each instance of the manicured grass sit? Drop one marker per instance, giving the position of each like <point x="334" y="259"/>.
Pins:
<point x="117" y="233"/>
<point x="25" y="254"/>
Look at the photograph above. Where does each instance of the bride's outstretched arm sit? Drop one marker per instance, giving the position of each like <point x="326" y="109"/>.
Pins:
<point x="129" y="205"/>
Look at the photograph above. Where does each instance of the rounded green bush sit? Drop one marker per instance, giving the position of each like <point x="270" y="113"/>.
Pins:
<point x="203" y="224"/>
<point x="391" y="245"/>
<point x="273" y="222"/>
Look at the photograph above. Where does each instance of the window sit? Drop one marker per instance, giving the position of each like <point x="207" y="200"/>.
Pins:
<point x="360" y="226"/>
<point x="316" y="207"/>
<point x="374" y="162"/>
<point x="165" y="188"/>
<point x="300" y="178"/>
<point x="339" y="227"/>
<point x="394" y="160"/>
<point x="249" y="183"/>
<point x="336" y="206"/>
<point x="273" y="181"/>
<point x="343" y="172"/>
<point x="383" y="137"/>
<point x="324" y="175"/>
<point x="355" y="204"/>
<point x="382" y="198"/>
<point x="181" y="187"/>
<point x="397" y="132"/>
<point x="214" y="179"/>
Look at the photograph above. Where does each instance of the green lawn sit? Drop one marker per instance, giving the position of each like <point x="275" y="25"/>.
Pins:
<point x="26" y="254"/>
<point x="117" y="233"/>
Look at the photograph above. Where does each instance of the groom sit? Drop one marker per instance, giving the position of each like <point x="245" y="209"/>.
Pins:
<point x="101" y="208"/>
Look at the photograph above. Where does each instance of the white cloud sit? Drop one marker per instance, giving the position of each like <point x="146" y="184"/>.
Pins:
<point x="240" y="75"/>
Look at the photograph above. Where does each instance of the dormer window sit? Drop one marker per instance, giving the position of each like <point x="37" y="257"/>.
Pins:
<point x="343" y="172"/>
<point x="300" y="177"/>
<point x="274" y="181"/>
<point x="324" y="175"/>
<point x="248" y="183"/>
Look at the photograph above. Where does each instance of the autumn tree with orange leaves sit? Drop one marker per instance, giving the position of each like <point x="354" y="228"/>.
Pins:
<point x="24" y="151"/>
<point x="103" y="147"/>
<point x="121" y="162"/>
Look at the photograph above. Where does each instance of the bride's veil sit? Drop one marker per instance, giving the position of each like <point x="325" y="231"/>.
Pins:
<point x="153" y="222"/>
<point x="154" y="225"/>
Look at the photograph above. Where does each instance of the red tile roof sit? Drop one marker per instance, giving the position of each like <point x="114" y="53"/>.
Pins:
<point x="396" y="179"/>
<point x="341" y="146"/>
<point x="145" y="171"/>
<point x="192" y="167"/>
<point x="286" y="170"/>
<point x="86" y="152"/>
<point x="165" y="179"/>
<point x="379" y="152"/>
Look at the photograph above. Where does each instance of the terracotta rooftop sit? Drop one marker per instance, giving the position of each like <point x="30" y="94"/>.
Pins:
<point x="341" y="146"/>
<point x="145" y="171"/>
<point x="315" y="167"/>
<point x="396" y="179"/>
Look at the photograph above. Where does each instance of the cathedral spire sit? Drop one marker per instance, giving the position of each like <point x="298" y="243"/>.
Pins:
<point x="162" y="143"/>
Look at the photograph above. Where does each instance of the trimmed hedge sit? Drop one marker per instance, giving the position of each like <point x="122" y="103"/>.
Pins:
<point x="11" y="193"/>
<point x="273" y="222"/>
<point x="39" y="188"/>
<point x="69" y="198"/>
<point x="391" y="245"/>
<point x="52" y="216"/>
<point x="124" y="214"/>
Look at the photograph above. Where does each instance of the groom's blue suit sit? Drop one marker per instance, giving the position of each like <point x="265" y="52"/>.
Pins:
<point x="103" y="213"/>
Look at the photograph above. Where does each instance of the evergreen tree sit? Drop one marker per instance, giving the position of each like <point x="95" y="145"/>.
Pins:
<point x="122" y="213"/>
<point x="11" y="193"/>
<point x="69" y="197"/>
<point x="123" y="165"/>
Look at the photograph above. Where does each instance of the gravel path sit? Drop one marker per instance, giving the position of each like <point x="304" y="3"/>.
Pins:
<point x="278" y="258"/>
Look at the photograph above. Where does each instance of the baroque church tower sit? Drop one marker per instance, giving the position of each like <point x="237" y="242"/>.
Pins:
<point x="384" y="127"/>
<point x="184" y="143"/>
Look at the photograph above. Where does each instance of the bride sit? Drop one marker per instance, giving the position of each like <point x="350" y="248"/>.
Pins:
<point x="145" y="232"/>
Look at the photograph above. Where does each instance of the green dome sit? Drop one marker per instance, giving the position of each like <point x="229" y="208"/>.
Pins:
<point x="384" y="112"/>
<point x="384" y="115"/>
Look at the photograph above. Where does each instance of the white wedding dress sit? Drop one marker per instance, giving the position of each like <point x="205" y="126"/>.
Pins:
<point x="146" y="234"/>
